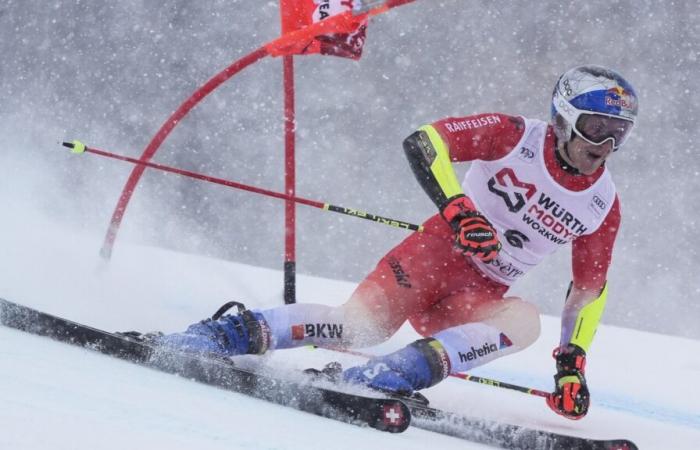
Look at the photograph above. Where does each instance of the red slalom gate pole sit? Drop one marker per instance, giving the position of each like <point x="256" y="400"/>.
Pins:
<point x="289" y="21"/>
<point x="283" y="45"/>
<point x="289" y="181"/>
<point x="159" y="137"/>
<point x="79" y="147"/>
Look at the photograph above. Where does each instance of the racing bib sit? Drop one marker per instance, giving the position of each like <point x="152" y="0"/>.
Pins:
<point x="532" y="213"/>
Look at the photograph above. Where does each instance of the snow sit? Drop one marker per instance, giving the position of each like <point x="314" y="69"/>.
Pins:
<point x="56" y="396"/>
<point x="110" y="75"/>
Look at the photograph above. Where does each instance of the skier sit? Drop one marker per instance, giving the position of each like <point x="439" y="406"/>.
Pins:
<point x="532" y="188"/>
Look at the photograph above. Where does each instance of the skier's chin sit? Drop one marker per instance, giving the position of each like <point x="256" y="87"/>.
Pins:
<point x="587" y="162"/>
<point x="588" y="169"/>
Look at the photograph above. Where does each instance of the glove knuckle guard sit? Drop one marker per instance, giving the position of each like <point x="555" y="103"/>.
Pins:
<point x="475" y="234"/>
<point x="570" y="398"/>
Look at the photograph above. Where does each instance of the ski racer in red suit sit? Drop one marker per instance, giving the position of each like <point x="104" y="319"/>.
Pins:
<point x="532" y="188"/>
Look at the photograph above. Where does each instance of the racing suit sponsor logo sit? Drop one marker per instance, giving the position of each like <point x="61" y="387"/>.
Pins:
<point x="507" y="270"/>
<point x="504" y="341"/>
<point x="445" y="365"/>
<point x="469" y="124"/>
<point x="402" y="278"/>
<point x="547" y="217"/>
<point x="597" y="205"/>
<point x="475" y="353"/>
<point x="513" y="191"/>
<point x="318" y="330"/>
<point x="526" y="154"/>
<point x="552" y="221"/>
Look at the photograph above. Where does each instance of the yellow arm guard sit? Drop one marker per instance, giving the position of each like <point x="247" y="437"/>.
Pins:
<point x="429" y="159"/>
<point x="587" y="321"/>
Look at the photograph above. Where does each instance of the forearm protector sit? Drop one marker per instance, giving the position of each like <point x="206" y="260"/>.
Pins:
<point x="580" y="324"/>
<point x="429" y="159"/>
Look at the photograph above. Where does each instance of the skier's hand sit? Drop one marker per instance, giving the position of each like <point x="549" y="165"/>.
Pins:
<point x="570" y="397"/>
<point x="475" y="234"/>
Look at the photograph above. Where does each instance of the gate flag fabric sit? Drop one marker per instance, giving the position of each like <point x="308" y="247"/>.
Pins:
<point x="343" y="38"/>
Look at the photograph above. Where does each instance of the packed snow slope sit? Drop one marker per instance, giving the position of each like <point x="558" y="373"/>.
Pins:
<point x="61" y="397"/>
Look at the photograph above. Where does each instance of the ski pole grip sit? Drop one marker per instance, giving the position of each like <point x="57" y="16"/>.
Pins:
<point x="75" y="146"/>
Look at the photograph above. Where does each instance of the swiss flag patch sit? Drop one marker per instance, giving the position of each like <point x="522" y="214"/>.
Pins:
<point x="297" y="332"/>
<point x="393" y="415"/>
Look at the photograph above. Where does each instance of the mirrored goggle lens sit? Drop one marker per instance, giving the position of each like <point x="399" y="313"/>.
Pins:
<point x="598" y="129"/>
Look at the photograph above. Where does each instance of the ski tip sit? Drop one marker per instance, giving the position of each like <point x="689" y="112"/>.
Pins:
<point x="75" y="146"/>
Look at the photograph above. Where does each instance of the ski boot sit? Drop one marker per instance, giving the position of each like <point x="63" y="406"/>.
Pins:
<point x="137" y="336"/>
<point x="417" y="366"/>
<point x="331" y="372"/>
<point x="243" y="333"/>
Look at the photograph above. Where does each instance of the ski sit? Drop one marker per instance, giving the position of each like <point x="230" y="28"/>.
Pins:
<point x="503" y="435"/>
<point x="381" y="413"/>
<point x="497" y="434"/>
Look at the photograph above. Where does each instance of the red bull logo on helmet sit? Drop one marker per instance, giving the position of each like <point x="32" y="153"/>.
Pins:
<point x="619" y="97"/>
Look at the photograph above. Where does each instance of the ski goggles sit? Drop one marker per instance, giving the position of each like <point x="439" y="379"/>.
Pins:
<point x="595" y="128"/>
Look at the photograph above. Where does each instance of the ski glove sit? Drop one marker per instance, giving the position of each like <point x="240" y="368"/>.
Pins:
<point x="570" y="397"/>
<point x="475" y="236"/>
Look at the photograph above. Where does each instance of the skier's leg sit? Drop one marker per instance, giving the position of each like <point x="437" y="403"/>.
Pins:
<point x="419" y="272"/>
<point x="495" y="329"/>
<point x="491" y="328"/>
<point x="365" y="319"/>
<point x="408" y="280"/>
<point x="368" y="318"/>
<point x="289" y="326"/>
<point x="513" y="316"/>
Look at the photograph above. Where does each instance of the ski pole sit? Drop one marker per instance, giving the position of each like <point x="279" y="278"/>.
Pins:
<point x="79" y="147"/>
<point x="501" y="384"/>
<point x="463" y="376"/>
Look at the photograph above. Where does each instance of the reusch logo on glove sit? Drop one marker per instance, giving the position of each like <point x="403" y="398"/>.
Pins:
<point x="513" y="191"/>
<point x="479" y="235"/>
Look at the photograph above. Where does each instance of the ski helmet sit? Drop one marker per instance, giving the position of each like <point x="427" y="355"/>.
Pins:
<point x="594" y="103"/>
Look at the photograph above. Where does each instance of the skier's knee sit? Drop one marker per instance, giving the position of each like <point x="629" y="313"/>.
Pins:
<point x="365" y="327"/>
<point x="519" y="320"/>
<point x="369" y="315"/>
